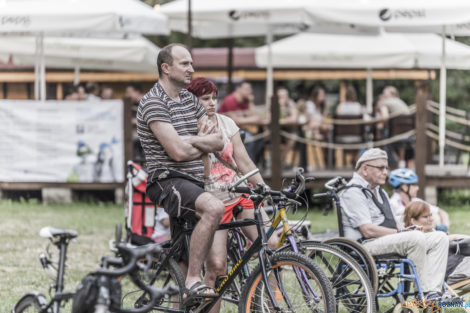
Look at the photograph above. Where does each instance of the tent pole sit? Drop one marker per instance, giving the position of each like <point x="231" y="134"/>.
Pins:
<point x="36" y="69"/>
<point x="269" y="68"/>
<point x="189" y="37"/>
<point x="42" y="69"/>
<point x="369" y="92"/>
<point x="230" y="65"/>
<point x="442" y="100"/>
<point x="76" y="75"/>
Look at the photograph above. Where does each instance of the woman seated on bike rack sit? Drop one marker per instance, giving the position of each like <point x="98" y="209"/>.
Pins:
<point x="220" y="170"/>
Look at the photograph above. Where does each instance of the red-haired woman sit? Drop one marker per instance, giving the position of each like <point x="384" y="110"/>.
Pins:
<point x="221" y="169"/>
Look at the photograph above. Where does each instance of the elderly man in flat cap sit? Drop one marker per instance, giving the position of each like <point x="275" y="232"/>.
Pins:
<point x="367" y="218"/>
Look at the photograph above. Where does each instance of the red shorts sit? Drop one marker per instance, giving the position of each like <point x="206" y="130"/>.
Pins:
<point x="228" y="214"/>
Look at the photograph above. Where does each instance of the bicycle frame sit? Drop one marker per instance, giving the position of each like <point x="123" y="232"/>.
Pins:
<point x="59" y="295"/>
<point x="259" y="245"/>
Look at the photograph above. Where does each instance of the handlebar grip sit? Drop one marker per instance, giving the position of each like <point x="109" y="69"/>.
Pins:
<point x="275" y="193"/>
<point x="134" y="253"/>
<point x="290" y="195"/>
<point x="242" y="190"/>
<point x="320" y="195"/>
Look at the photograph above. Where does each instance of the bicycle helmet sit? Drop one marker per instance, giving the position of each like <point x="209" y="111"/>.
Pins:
<point x="402" y="176"/>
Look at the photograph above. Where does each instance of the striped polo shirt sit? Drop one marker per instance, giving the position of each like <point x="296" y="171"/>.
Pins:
<point x="156" y="105"/>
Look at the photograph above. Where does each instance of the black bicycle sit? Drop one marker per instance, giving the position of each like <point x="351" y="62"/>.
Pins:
<point x="351" y="286"/>
<point x="281" y="282"/>
<point x="95" y="294"/>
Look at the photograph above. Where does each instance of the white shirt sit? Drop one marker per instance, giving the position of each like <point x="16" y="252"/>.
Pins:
<point x="398" y="206"/>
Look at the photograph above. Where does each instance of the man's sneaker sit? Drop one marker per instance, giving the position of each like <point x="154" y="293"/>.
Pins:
<point x="447" y="297"/>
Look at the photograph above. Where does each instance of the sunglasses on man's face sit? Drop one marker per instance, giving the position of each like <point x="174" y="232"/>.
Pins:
<point x="380" y="168"/>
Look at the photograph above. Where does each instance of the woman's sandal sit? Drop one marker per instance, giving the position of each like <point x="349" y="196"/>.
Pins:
<point x="196" y="293"/>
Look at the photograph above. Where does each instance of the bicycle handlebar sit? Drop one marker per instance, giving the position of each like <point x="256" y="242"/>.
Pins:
<point x="243" y="178"/>
<point x="155" y="296"/>
<point x="134" y="253"/>
<point x="333" y="184"/>
<point x="263" y="190"/>
<point x="321" y="195"/>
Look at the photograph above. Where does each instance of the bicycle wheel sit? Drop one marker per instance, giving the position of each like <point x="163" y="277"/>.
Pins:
<point x="351" y="285"/>
<point x="28" y="304"/>
<point x="297" y="283"/>
<point x="171" y="274"/>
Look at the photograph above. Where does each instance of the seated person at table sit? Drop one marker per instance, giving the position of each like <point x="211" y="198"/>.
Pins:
<point x="288" y="121"/>
<point x="390" y="104"/>
<point x="350" y="106"/>
<point x="368" y="218"/>
<point x="239" y="106"/>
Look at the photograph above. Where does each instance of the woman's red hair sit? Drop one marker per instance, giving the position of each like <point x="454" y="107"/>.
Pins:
<point x="201" y="86"/>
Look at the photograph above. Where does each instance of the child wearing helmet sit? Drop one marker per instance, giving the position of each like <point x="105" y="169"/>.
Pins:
<point x="405" y="182"/>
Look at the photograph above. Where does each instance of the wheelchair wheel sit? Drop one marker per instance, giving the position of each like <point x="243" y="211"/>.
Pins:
<point x="387" y="284"/>
<point x="359" y="254"/>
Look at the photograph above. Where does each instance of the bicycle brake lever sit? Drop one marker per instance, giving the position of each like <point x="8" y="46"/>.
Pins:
<point x="327" y="209"/>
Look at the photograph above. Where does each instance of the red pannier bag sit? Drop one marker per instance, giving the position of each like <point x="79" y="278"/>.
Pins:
<point x="140" y="211"/>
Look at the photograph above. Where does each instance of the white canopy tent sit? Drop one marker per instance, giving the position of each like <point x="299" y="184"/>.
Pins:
<point x="397" y="15"/>
<point x="438" y="16"/>
<point x="83" y="18"/>
<point x="134" y="54"/>
<point x="73" y="16"/>
<point x="242" y="18"/>
<point x="387" y="50"/>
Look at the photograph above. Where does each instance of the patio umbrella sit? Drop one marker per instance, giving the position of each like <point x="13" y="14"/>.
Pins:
<point x="446" y="17"/>
<point x="244" y="18"/>
<point x="387" y="50"/>
<point x="84" y="17"/>
<point x="133" y="54"/>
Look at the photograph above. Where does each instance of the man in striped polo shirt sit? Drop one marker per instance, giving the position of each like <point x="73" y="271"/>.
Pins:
<point x="167" y="125"/>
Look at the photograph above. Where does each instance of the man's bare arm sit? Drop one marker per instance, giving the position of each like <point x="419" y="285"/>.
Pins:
<point x="375" y="231"/>
<point x="177" y="148"/>
<point x="206" y="143"/>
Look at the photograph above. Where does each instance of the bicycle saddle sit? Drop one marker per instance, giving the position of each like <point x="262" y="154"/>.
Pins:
<point x="51" y="232"/>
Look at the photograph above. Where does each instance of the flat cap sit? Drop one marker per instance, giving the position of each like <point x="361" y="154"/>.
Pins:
<point x="371" y="154"/>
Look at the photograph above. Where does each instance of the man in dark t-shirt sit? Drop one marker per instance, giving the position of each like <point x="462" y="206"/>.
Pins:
<point x="167" y="125"/>
<point x="240" y="107"/>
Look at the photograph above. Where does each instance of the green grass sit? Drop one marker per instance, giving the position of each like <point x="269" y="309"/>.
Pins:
<point x="20" y="244"/>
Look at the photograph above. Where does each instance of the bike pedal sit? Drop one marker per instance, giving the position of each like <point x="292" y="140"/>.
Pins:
<point x="196" y="308"/>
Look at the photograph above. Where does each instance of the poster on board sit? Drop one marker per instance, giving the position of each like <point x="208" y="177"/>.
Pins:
<point x="61" y="141"/>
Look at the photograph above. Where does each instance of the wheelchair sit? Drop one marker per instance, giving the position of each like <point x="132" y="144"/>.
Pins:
<point x="391" y="275"/>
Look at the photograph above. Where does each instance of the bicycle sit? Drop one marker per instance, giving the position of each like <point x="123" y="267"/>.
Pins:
<point x="281" y="281"/>
<point x="37" y="301"/>
<point x="352" y="288"/>
<point x="101" y="279"/>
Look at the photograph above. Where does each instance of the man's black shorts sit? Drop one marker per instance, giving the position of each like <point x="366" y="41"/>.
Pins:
<point x="177" y="196"/>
